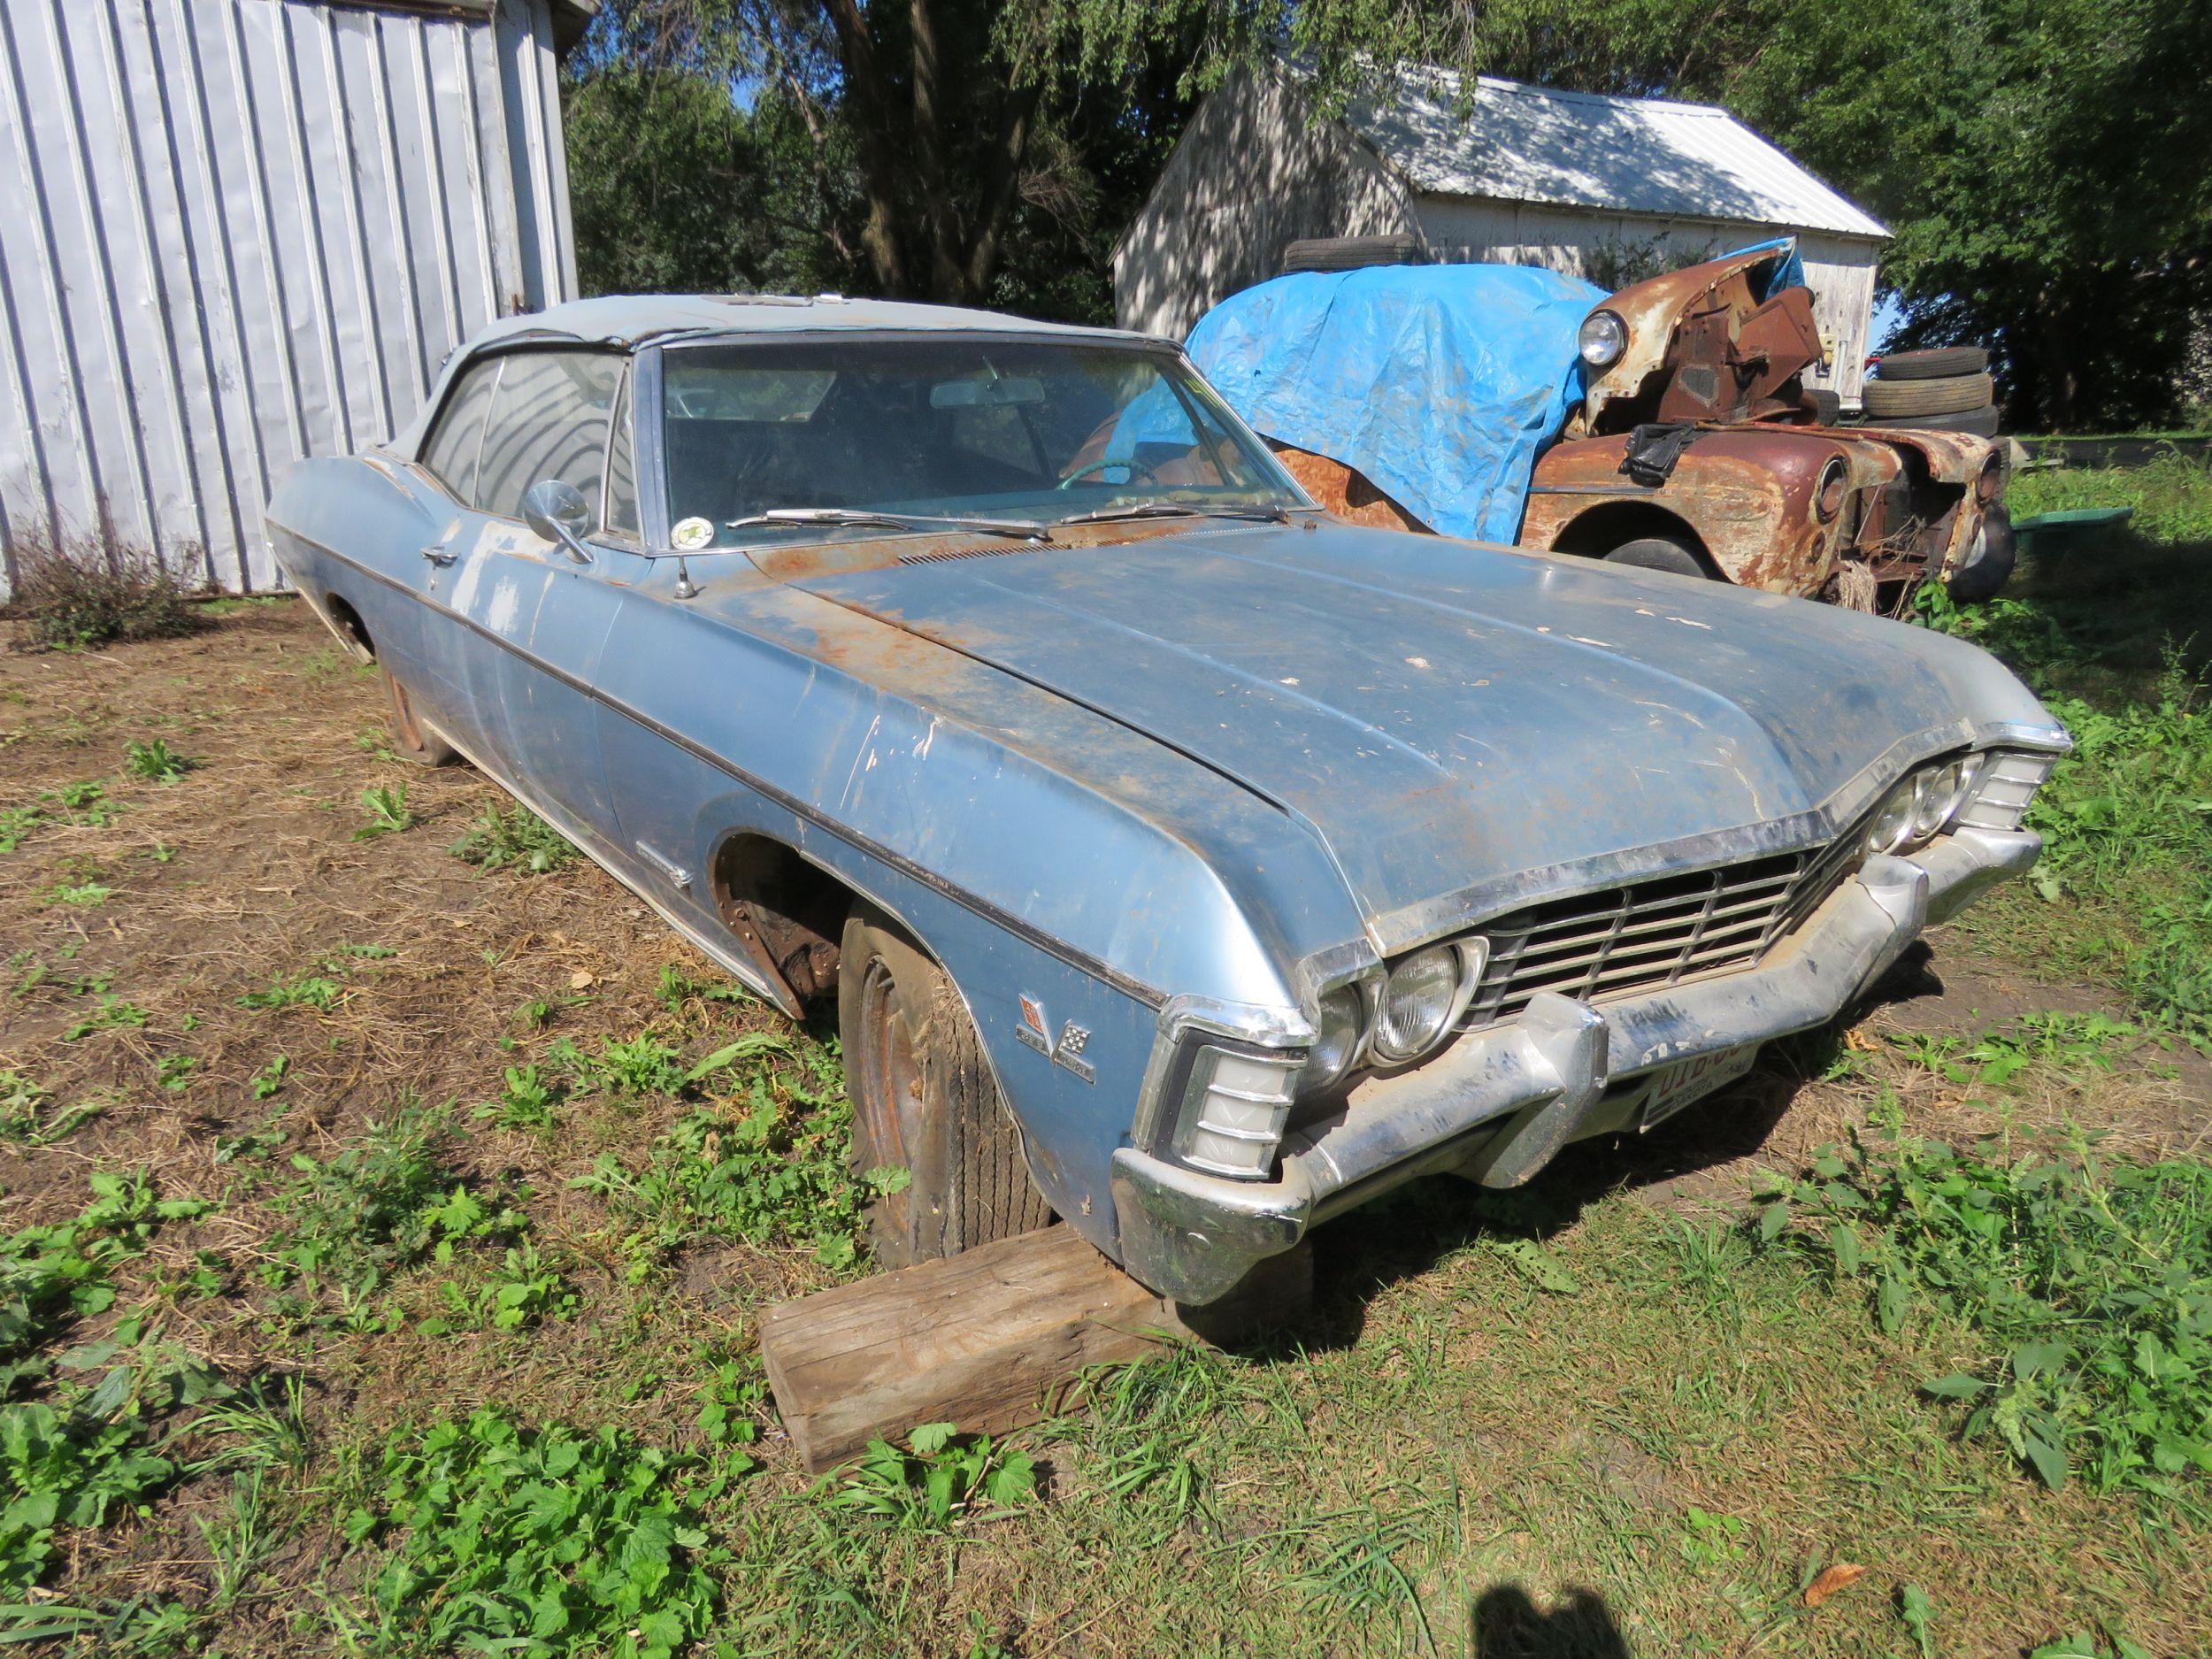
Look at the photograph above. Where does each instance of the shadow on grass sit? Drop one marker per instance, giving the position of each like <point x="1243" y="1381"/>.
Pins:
<point x="1507" y="1625"/>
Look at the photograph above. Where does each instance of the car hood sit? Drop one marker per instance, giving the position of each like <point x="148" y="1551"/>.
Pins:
<point x="1452" y="719"/>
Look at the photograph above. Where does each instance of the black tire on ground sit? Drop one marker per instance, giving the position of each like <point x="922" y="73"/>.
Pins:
<point x="924" y="1100"/>
<point x="1981" y="423"/>
<point x="1954" y="395"/>
<point x="1826" y="405"/>
<point x="1937" y="363"/>
<point x="1987" y="575"/>
<point x="1659" y="553"/>
<point x="1349" y="253"/>
<point x="411" y="738"/>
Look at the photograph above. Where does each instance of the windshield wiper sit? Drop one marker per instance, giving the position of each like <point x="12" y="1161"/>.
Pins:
<point x="1024" y="527"/>
<point x="1175" y="509"/>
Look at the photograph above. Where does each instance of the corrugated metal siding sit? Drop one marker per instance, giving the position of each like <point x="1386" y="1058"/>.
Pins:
<point x="237" y="232"/>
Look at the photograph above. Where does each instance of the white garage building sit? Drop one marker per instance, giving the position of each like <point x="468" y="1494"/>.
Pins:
<point x="1612" y="189"/>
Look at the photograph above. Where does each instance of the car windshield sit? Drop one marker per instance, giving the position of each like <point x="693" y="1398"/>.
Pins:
<point x="832" y="432"/>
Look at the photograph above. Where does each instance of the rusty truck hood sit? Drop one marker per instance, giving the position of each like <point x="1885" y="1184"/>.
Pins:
<point x="1440" y="714"/>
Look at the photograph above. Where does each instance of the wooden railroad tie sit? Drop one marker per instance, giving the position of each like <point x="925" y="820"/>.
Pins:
<point x="988" y="1341"/>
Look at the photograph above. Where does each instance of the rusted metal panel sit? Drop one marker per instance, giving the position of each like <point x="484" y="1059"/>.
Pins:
<point x="1345" y="491"/>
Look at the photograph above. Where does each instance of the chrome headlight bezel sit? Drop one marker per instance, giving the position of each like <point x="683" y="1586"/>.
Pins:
<point x="1601" y="339"/>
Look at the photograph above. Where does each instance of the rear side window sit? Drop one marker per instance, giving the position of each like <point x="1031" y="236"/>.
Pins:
<point x="458" y="437"/>
<point x="549" y="419"/>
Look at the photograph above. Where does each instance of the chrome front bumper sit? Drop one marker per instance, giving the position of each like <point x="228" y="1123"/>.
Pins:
<point x="1498" y="1104"/>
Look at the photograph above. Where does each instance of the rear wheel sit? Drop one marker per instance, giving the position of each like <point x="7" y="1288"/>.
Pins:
<point x="411" y="737"/>
<point x="924" y="1100"/>
<point x="1659" y="553"/>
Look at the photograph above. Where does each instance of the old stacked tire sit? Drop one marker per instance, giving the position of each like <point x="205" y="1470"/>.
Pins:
<point x="1945" y="386"/>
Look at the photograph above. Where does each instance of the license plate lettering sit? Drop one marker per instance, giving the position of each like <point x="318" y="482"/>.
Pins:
<point x="1675" y="1086"/>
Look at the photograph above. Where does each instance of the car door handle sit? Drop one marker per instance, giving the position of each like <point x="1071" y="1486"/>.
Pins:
<point x="440" y="555"/>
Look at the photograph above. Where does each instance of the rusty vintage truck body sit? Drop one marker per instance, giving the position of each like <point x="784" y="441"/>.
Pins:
<point x="1764" y="491"/>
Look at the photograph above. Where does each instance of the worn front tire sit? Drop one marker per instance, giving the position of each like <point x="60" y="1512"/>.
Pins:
<point x="1659" y="553"/>
<point x="924" y="1100"/>
<point x="411" y="738"/>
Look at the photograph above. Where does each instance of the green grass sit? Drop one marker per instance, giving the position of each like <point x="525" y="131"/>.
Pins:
<point x="2172" y="497"/>
<point x="767" y="1164"/>
<point x="516" y="838"/>
<point x="156" y="761"/>
<point x="2088" y="1280"/>
<point x="536" y="1541"/>
<point x="2114" y="639"/>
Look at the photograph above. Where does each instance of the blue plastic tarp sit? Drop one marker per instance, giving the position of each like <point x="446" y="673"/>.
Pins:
<point x="1441" y="383"/>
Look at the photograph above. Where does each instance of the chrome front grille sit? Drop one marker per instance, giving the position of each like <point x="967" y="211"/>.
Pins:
<point x="1648" y="934"/>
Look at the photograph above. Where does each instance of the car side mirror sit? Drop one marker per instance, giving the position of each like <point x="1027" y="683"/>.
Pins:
<point x="558" y="512"/>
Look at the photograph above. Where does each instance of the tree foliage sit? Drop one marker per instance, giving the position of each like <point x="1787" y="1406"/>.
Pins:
<point x="2045" y="165"/>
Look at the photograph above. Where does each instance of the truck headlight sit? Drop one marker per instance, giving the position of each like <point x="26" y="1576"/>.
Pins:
<point x="1602" y="339"/>
<point x="1423" y="995"/>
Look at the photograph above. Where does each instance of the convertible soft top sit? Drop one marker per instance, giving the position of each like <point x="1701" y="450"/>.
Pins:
<point x="1439" y="382"/>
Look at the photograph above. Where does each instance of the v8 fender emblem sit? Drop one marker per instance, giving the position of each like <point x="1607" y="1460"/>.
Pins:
<point x="1065" y="1049"/>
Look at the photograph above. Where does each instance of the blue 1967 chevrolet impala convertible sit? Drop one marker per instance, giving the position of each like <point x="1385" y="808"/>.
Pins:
<point x="1182" y="862"/>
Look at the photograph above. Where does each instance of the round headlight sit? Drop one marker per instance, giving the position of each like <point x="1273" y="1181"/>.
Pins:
<point x="1834" y="481"/>
<point x="1421" y="997"/>
<point x="1336" y="1043"/>
<point x="1604" y="337"/>
<point x="1939" y="798"/>
<point x="1893" y="823"/>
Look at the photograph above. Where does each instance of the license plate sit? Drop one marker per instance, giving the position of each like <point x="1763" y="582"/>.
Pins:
<point x="1675" y="1086"/>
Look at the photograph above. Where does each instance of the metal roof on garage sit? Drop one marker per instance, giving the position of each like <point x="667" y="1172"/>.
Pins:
<point x="1515" y="142"/>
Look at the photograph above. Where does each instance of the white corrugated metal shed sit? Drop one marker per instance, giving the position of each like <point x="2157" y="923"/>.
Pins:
<point x="237" y="232"/>
<point x="1492" y="173"/>
<point x="1510" y="142"/>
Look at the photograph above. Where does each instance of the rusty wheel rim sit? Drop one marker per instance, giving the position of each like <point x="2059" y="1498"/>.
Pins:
<point x="403" y="725"/>
<point x="887" y="1092"/>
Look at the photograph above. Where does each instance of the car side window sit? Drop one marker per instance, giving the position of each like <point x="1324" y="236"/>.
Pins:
<point x="622" y="509"/>
<point x="549" y="419"/>
<point x="457" y="440"/>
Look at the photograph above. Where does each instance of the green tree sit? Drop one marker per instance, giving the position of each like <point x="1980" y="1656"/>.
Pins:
<point x="673" y="188"/>
<point x="2046" y="165"/>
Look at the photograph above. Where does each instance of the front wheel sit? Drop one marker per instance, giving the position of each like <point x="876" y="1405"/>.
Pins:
<point x="1658" y="553"/>
<point x="924" y="1100"/>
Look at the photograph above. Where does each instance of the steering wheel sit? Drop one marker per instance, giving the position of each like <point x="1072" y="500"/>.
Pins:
<point x="1101" y="463"/>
